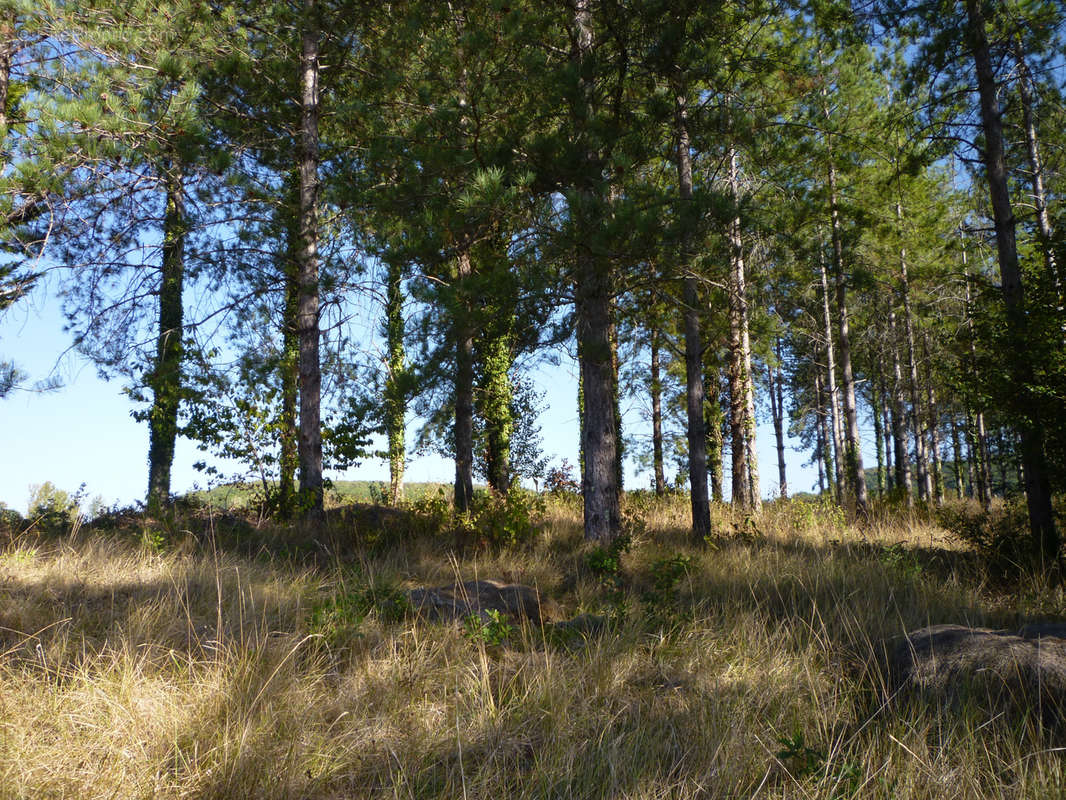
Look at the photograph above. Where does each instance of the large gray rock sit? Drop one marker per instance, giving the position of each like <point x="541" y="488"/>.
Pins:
<point x="478" y="597"/>
<point x="1022" y="670"/>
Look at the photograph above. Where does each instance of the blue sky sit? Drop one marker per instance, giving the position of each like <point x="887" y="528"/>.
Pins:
<point x="83" y="432"/>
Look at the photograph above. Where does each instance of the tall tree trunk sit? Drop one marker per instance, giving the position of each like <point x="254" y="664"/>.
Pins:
<point x="1037" y="483"/>
<point x="697" y="432"/>
<point x="831" y="385"/>
<point x="856" y="476"/>
<point x="934" y="432"/>
<point x="1036" y="178"/>
<point x="310" y="442"/>
<point x="741" y="382"/>
<point x="656" y="389"/>
<point x="463" y="334"/>
<point x="593" y="306"/>
<point x="165" y="379"/>
<point x="288" y="429"/>
<point x="875" y="409"/>
<point x="777" y="410"/>
<point x="977" y="441"/>
<point x="494" y="401"/>
<point x="395" y="381"/>
<point x="616" y="406"/>
<point x="821" y="455"/>
<point x="886" y="426"/>
<point x="956" y="452"/>
<point x="899" y="432"/>
<point x="713" y="422"/>
<point x="921" y="458"/>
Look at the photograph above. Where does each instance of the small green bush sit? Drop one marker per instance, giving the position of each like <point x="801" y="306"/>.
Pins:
<point x="491" y="629"/>
<point x="1000" y="535"/>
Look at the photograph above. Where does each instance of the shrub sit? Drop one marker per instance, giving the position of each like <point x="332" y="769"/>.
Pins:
<point x="1001" y="535"/>
<point x="53" y="509"/>
<point x="560" y="479"/>
<point x="508" y="520"/>
<point x="491" y="628"/>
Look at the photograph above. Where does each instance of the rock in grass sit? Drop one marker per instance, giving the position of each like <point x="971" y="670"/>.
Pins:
<point x="1022" y="671"/>
<point x="479" y="597"/>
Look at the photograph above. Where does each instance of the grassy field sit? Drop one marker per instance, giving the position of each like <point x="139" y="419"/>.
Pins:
<point x="211" y="658"/>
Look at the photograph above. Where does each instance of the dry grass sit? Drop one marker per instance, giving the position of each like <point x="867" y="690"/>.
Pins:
<point x="192" y="671"/>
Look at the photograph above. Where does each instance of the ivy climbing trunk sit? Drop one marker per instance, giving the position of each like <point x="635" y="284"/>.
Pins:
<point x="395" y="381"/>
<point x="165" y="379"/>
<point x="310" y="442"/>
<point x="463" y="334"/>
<point x="1037" y="483"/>
<point x="494" y="399"/>
<point x="289" y="376"/>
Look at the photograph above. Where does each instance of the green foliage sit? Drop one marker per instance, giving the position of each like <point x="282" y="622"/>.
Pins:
<point x="899" y="558"/>
<point x="338" y="618"/>
<point x="11" y="521"/>
<point x="508" y="520"/>
<point x="433" y="511"/>
<point x="1000" y="535"/>
<point x="53" y="509"/>
<point x="666" y="576"/>
<point x="799" y="758"/>
<point x="154" y="540"/>
<point x="803" y="761"/>
<point x="605" y="564"/>
<point x="489" y="628"/>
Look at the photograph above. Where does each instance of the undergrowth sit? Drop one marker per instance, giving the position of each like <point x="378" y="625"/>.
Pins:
<point x="218" y="656"/>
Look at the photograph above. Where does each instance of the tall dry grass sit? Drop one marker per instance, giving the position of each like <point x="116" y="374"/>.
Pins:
<point x="283" y="670"/>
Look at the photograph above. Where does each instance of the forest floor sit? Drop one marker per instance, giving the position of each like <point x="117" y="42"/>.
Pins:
<point x="215" y="658"/>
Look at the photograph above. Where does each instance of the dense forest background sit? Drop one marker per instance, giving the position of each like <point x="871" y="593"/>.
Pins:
<point x="850" y="211"/>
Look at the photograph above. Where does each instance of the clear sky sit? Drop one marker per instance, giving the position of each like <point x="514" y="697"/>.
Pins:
<point x="83" y="432"/>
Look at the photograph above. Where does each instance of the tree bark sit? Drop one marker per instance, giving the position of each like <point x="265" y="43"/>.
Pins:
<point x="494" y="400"/>
<point x="899" y="432"/>
<point x="694" y="397"/>
<point x="289" y="369"/>
<point x="856" y="476"/>
<point x="165" y="379"/>
<point x="463" y="334"/>
<point x="746" y="493"/>
<point x="593" y="307"/>
<point x="1037" y="483"/>
<point x="934" y="432"/>
<point x="956" y="452"/>
<point x="886" y="425"/>
<point x="921" y="457"/>
<point x="713" y="422"/>
<point x="656" y="389"/>
<point x="1036" y="178"/>
<point x="777" y="410"/>
<point x="395" y="381"/>
<point x="824" y="457"/>
<point x="310" y="443"/>
<point x="831" y="385"/>
<point x="875" y="413"/>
